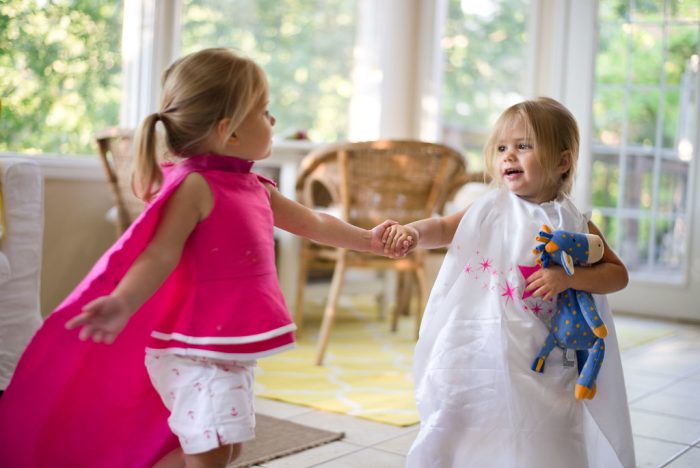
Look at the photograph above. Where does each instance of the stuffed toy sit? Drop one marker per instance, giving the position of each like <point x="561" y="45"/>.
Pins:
<point x="575" y="324"/>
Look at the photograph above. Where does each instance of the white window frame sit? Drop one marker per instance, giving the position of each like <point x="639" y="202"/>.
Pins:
<point x="561" y="65"/>
<point x="565" y="71"/>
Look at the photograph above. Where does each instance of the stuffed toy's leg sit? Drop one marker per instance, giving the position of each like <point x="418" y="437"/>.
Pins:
<point x="590" y="313"/>
<point x="549" y="343"/>
<point x="585" y="385"/>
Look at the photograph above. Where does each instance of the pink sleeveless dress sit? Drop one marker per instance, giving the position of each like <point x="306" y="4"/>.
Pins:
<point x="75" y="403"/>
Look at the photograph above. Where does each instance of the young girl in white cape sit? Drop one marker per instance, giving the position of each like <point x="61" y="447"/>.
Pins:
<point x="479" y="401"/>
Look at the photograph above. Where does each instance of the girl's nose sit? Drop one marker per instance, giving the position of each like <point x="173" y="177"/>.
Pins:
<point x="273" y="120"/>
<point x="509" y="154"/>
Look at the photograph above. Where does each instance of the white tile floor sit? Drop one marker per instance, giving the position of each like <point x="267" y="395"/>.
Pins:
<point x="663" y="387"/>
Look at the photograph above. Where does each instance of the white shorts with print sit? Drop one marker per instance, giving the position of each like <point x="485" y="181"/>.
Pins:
<point x="210" y="400"/>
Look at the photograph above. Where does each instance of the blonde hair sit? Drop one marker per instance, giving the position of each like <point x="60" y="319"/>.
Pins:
<point x="553" y="132"/>
<point x="198" y="91"/>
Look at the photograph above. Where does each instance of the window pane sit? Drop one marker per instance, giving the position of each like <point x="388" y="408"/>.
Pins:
<point x="306" y="49"/>
<point x="609" y="115"/>
<point x="659" y="41"/>
<point x="671" y="118"/>
<point x="613" y="10"/>
<point x="682" y="44"/>
<point x="612" y="53"/>
<point x="642" y="115"/>
<point x="670" y="245"/>
<point x="647" y="10"/>
<point x="685" y="9"/>
<point x="634" y="246"/>
<point x="673" y="187"/>
<point x="645" y="50"/>
<point x="605" y="178"/>
<point x="60" y="74"/>
<point x="638" y="183"/>
<point x="485" y="62"/>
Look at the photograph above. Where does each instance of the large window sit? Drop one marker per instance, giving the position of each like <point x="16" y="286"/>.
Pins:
<point x="306" y="48"/>
<point x="60" y="74"/>
<point x="485" y="69"/>
<point x="645" y="128"/>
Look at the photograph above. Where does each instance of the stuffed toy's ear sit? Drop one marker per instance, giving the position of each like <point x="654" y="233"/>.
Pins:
<point x="595" y="248"/>
<point x="567" y="262"/>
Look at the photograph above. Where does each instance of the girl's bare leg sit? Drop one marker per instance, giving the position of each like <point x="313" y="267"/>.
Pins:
<point x="218" y="457"/>
<point x="174" y="459"/>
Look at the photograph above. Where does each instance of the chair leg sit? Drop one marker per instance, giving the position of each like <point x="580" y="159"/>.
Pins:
<point x="331" y="306"/>
<point x="380" y="297"/>
<point x="422" y="295"/>
<point x="402" y="298"/>
<point x="301" y="288"/>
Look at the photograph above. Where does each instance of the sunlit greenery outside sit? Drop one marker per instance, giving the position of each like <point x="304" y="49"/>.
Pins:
<point x="60" y="74"/>
<point x="305" y="47"/>
<point x="644" y="97"/>
<point x="60" y="82"/>
<point x="485" y="65"/>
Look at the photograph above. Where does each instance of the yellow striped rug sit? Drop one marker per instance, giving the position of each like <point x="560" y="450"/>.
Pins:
<point x="366" y="371"/>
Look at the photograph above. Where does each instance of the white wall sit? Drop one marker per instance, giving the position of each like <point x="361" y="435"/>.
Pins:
<point x="76" y="232"/>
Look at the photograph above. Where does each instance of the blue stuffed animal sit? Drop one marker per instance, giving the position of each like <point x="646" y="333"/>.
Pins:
<point x="576" y="324"/>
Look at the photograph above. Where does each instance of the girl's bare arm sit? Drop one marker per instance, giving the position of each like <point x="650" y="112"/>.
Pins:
<point x="324" y="228"/>
<point x="428" y="233"/>
<point x="608" y="275"/>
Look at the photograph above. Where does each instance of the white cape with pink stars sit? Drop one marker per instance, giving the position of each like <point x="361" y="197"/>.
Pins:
<point x="480" y="403"/>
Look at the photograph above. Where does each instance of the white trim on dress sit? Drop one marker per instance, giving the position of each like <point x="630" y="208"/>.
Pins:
<point x="223" y="340"/>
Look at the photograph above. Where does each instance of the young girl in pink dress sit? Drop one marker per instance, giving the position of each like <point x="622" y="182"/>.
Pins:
<point x="192" y="281"/>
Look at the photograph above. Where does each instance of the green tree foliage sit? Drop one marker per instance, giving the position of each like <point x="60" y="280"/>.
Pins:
<point x="305" y="47"/>
<point x="484" y="64"/>
<point x="60" y="73"/>
<point x="485" y="60"/>
<point x="644" y="88"/>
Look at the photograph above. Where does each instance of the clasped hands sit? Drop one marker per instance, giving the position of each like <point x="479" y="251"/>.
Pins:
<point x="395" y="240"/>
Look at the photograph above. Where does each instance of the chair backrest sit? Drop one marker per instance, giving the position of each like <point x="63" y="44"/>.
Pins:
<point x="371" y="181"/>
<point x="115" y="146"/>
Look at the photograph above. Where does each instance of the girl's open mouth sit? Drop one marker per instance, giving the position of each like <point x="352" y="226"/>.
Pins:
<point x="512" y="172"/>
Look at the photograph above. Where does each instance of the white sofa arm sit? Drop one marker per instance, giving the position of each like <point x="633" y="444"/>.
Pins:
<point x="22" y="188"/>
<point x="4" y="268"/>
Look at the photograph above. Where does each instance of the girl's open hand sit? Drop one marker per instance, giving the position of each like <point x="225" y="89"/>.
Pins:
<point x="101" y="319"/>
<point x="548" y="282"/>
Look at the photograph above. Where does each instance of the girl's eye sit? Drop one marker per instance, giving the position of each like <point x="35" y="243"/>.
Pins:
<point x="525" y="146"/>
<point x="501" y="148"/>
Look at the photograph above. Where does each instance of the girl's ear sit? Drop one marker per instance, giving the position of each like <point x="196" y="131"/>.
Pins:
<point x="223" y="132"/>
<point x="564" y="162"/>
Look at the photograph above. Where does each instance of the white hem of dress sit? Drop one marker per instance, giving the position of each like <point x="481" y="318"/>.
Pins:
<point x="218" y="354"/>
<point x="223" y="340"/>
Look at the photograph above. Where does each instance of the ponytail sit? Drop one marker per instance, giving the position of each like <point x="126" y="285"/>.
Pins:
<point x="147" y="176"/>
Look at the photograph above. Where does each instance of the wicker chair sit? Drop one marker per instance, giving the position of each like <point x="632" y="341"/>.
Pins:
<point x="368" y="182"/>
<point x="116" y="154"/>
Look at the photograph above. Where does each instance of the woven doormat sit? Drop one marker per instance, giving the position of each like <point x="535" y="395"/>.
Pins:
<point x="275" y="438"/>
